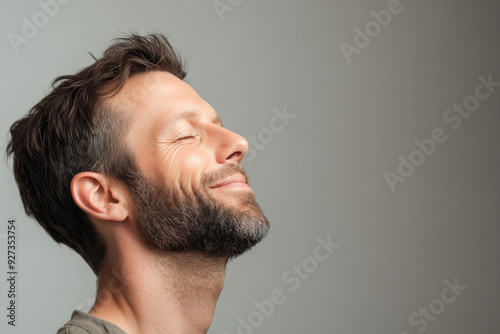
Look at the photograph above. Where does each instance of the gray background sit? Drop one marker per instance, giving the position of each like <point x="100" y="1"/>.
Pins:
<point x="322" y="175"/>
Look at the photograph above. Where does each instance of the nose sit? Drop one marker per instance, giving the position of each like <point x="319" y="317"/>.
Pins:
<point x="230" y="146"/>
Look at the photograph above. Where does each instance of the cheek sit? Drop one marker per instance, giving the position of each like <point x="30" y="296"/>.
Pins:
<point x="185" y="166"/>
<point x="195" y="160"/>
<point x="192" y="165"/>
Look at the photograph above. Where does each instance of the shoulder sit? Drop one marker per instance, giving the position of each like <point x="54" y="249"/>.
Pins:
<point x="70" y="329"/>
<point x="85" y="323"/>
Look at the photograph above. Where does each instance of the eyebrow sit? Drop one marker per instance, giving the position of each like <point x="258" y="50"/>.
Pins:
<point x="188" y="114"/>
<point x="217" y="120"/>
<point x="192" y="114"/>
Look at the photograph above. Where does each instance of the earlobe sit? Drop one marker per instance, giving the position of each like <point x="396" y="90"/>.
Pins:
<point x="99" y="196"/>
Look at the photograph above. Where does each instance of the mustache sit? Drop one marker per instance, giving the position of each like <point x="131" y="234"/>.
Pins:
<point x="208" y="178"/>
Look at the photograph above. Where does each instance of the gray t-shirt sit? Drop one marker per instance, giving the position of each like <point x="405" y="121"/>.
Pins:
<point x="85" y="323"/>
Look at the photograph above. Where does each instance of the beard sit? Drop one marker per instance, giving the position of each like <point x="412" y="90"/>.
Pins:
<point x="173" y="219"/>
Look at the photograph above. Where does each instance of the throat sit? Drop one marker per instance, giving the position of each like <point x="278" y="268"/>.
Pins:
<point x="173" y="293"/>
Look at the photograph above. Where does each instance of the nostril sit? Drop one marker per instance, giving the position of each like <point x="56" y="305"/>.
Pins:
<point x="233" y="155"/>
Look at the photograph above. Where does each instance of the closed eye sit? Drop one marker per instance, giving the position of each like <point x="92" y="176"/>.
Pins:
<point x="185" y="138"/>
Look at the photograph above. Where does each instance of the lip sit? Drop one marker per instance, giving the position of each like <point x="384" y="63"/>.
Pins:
<point x="234" y="181"/>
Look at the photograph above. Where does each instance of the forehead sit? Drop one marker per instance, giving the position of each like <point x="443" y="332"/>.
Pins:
<point x="151" y="93"/>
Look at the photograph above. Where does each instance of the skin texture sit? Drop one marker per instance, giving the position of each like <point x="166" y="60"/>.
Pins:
<point x="176" y="138"/>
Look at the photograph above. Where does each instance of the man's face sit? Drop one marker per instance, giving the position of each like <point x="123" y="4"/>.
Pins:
<point x="190" y="192"/>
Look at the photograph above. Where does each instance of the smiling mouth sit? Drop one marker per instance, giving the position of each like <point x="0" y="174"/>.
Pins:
<point x="234" y="181"/>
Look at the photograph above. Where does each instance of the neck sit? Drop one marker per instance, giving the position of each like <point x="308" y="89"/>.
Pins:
<point x="160" y="293"/>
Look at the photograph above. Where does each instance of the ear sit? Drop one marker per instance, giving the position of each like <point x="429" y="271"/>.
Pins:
<point x="99" y="196"/>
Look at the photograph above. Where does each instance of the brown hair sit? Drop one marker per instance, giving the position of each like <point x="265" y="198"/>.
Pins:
<point x="71" y="130"/>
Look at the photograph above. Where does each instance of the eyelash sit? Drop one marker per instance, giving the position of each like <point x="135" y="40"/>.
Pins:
<point x="185" y="138"/>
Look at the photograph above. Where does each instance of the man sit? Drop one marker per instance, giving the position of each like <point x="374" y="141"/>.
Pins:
<point x="127" y="165"/>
